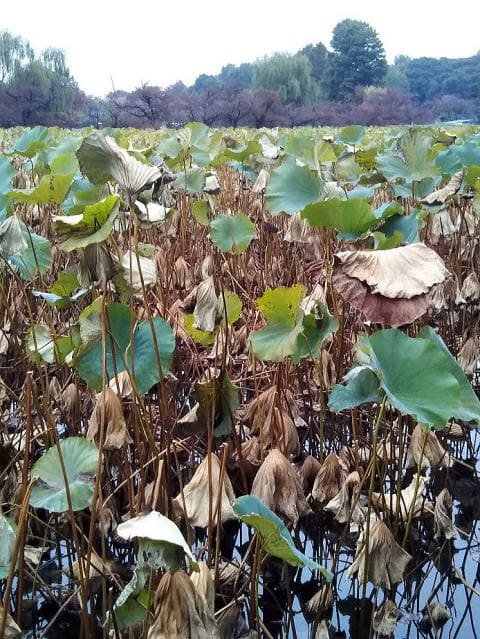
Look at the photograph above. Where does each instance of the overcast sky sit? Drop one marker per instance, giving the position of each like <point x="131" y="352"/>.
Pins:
<point x="128" y="42"/>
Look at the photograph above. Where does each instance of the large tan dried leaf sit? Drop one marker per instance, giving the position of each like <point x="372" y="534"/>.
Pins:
<point x="181" y="612"/>
<point x="378" y="308"/>
<point x="470" y="291"/>
<point x="345" y="504"/>
<point x="298" y="230"/>
<point x="433" y="452"/>
<point x="249" y="458"/>
<point x="410" y="499"/>
<point x="278" y="486"/>
<point x="109" y="408"/>
<point x="329" y="479"/>
<point x="121" y="384"/>
<point x="197" y="497"/>
<point x="398" y="273"/>
<point x="206" y="308"/>
<point x="321" y="603"/>
<point x="181" y="274"/>
<point x="442" y="225"/>
<point x="387" y="561"/>
<point x="442" y="516"/>
<point x="262" y="180"/>
<point x="440" y="196"/>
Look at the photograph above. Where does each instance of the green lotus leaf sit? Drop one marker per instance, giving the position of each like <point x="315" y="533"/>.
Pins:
<point x="348" y="216"/>
<point x="37" y="258"/>
<point x="52" y="189"/>
<point x="352" y="134"/>
<point x="32" y="141"/>
<point x="362" y="386"/>
<point x="191" y="180"/>
<point x="232" y="233"/>
<point x="80" y="459"/>
<point x="292" y="188"/>
<point x="274" y="536"/>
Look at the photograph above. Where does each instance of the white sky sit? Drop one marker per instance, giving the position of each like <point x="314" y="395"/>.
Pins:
<point x="158" y="42"/>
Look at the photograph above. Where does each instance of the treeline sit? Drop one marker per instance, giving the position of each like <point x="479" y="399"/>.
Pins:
<point x="351" y="82"/>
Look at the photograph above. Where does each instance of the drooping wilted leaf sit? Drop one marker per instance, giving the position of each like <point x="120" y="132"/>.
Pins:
<point x="80" y="459"/>
<point x="138" y="271"/>
<point x="158" y="528"/>
<point x="206" y="308"/>
<point x="8" y="534"/>
<point x="102" y="160"/>
<point x="274" y="535"/>
<point x="96" y="266"/>
<point x="232" y="232"/>
<point x="440" y="196"/>
<point x="291" y="188"/>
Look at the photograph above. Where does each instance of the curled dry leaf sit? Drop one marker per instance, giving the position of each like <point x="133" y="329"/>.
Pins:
<point x="434" y="454"/>
<point x="321" y="603"/>
<point x="12" y="631"/>
<point x="96" y="266"/>
<point x="387" y="561"/>
<point x="206" y="308"/>
<point x="329" y="479"/>
<point x="181" y="612"/>
<point x="308" y="472"/>
<point x="121" y="384"/>
<point x="182" y="274"/>
<point x="262" y="180"/>
<point x="470" y="292"/>
<point x="440" y="196"/>
<point x="109" y="408"/>
<point x="277" y="485"/>
<point x="434" y="616"/>
<point x="251" y="456"/>
<point x="389" y="286"/>
<point x="203" y="582"/>
<point x="442" y="225"/>
<point x="385" y="618"/>
<point x="345" y="504"/>
<point x="298" y="230"/>
<point x="410" y="499"/>
<point x="442" y="516"/>
<point x="199" y="493"/>
<point x="468" y="356"/>
<point x="137" y="270"/>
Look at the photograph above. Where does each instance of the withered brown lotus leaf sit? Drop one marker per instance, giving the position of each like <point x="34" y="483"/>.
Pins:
<point x="385" y="618"/>
<point x="308" y="472"/>
<point x="470" y="291"/>
<point x="181" y="612"/>
<point x="410" y="499"/>
<point x="321" y="603"/>
<point x="96" y="266"/>
<point x="443" y="224"/>
<point x="251" y="456"/>
<point x="298" y="230"/>
<point x="203" y="582"/>
<point x="387" y="560"/>
<point x="468" y="356"/>
<point x="440" y="196"/>
<point x="378" y="308"/>
<point x="346" y="501"/>
<point x="138" y="271"/>
<point x="435" y="616"/>
<point x="442" y="516"/>
<point x="398" y="273"/>
<point x="277" y="485"/>
<point x="181" y="273"/>
<point x="206" y="308"/>
<point x="261" y="181"/>
<point x="199" y="493"/>
<point x="329" y="479"/>
<point x="109" y="407"/>
<point x="12" y="631"/>
<point x="433" y="452"/>
<point x="121" y="384"/>
<point x="454" y="431"/>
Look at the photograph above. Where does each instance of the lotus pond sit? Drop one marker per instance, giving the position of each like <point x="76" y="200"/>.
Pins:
<point x="239" y="376"/>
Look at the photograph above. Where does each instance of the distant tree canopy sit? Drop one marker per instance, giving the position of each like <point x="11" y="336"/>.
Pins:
<point x="357" y="60"/>
<point x="36" y="90"/>
<point x="430" y="78"/>
<point x="290" y="75"/>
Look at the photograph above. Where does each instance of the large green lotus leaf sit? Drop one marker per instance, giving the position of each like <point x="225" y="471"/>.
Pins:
<point x="420" y="377"/>
<point x="37" y="258"/>
<point x="292" y="188"/>
<point x="347" y="216"/>
<point x="92" y="226"/>
<point x="139" y="358"/>
<point x="80" y="458"/>
<point x="274" y="535"/>
<point x="411" y="160"/>
<point x="8" y="534"/>
<point x="192" y="180"/>
<point x="13" y="237"/>
<point x="6" y="176"/>
<point x="32" y="141"/>
<point x="243" y="151"/>
<point x="352" y="134"/>
<point x="52" y="189"/>
<point x="362" y="387"/>
<point x="232" y="232"/>
<point x="457" y="156"/>
<point x="275" y="342"/>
